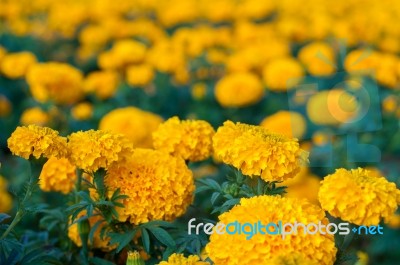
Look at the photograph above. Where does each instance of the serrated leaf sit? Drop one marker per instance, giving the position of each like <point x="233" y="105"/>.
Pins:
<point x="162" y="236"/>
<point x="214" y="197"/>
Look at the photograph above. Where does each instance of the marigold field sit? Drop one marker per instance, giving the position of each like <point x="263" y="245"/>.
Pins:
<point x="132" y="130"/>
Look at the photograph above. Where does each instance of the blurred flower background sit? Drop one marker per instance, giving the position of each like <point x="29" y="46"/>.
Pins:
<point x="138" y="115"/>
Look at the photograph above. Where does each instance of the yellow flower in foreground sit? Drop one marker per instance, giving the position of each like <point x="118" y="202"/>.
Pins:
<point x="35" y="116"/>
<point x="136" y="124"/>
<point x="282" y="74"/>
<point x="37" y="141"/>
<point x="296" y="259"/>
<point x="139" y="75"/>
<point x="56" y="82"/>
<point x="16" y="65"/>
<point x="239" y="90"/>
<point x="318" y="58"/>
<point x="257" y="152"/>
<point x="82" y="111"/>
<point x="91" y="150"/>
<point x="159" y="186"/>
<point x="289" y="123"/>
<point x="359" y="196"/>
<point x="179" y="259"/>
<point x="189" y="139"/>
<point x="57" y="175"/>
<point x="238" y="249"/>
<point x="103" y="84"/>
<point x="98" y="241"/>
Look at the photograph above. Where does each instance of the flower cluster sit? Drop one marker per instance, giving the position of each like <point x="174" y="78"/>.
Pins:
<point x="58" y="175"/>
<point x="176" y="259"/>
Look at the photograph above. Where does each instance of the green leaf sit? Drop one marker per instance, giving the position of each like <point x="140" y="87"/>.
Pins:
<point x="214" y="197"/>
<point x="93" y="230"/>
<point x="122" y="239"/>
<point x="145" y="240"/>
<point x="163" y="236"/>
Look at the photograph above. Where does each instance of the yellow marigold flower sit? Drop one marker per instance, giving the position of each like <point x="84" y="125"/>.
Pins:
<point x="35" y="116"/>
<point x="292" y="259"/>
<point x="179" y="259"/>
<point x="239" y="90"/>
<point x="16" y="65"/>
<point x="318" y="58"/>
<point x="238" y="249"/>
<point x="3" y="52"/>
<point x="5" y="197"/>
<point x="103" y="84"/>
<point x="56" y="82"/>
<point x="359" y="196"/>
<point x="390" y="104"/>
<point x="308" y="189"/>
<point x="199" y="91"/>
<point x="282" y="74"/>
<point x="139" y="75"/>
<point x="159" y="186"/>
<point x="37" y="141"/>
<point x="363" y="258"/>
<point x="57" y="175"/>
<point x="91" y="150"/>
<point x="136" y="124"/>
<point x="98" y="242"/>
<point x="5" y="106"/>
<point x="82" y="111"/>
<point x="289" y="123"/>
<point x="332" y="107"/>
<point x="393" y="221"/>
<point x="189" y="139"/>
<point x="361" y="61"/>
<point x="257" y="152"/>
<point x="123" y="53"/>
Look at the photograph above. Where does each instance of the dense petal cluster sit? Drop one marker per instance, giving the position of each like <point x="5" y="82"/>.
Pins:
<point x="295" y="259"/>
<point x="180" y="259"/>
<point x="56" y="82"/>
<point x="257" y="152"/>
<point x="239" y="90"/>
<point x="136" y="124"/>
<point x="159" y="186"/>
<point x="236" y="249"/>
<point x="91" y="150"/>
<point x="359" y="196"/>
<point x="37" y="141"/>
<point x="189" y="139"/>
<point x="58" y="175"/>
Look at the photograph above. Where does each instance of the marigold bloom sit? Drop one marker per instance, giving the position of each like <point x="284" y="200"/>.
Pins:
<point x="35" y="116"/>
<point x="82" y="111"/>
<point x="57" y="175"/>
<point x="180" y="259"/>
<point x="289" y="123"/>
<point x="139" y="75"/>
<point x="361" y="61"/>
<point x="282" y="74"/>
<point x="318" y="58"/>
<point x="98" y="241"/>
<point x="359" y="196"/>
<point x="257" y="152"/>
<point x="239" y="90"/>
<point x="159" y="186"/>
<point x="103" y="84"/>
<point x="56" y="82"/>
<point x="136" y="124"/>
<point x="91" y="150"/>
<point x="189" y="139"/>
<point x="292" y="259"/>
<point x="37" y="141"/>
<point x="238" y="249"/>
<point x="16" y="65"/>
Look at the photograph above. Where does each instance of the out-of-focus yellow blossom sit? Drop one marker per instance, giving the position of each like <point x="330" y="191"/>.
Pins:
<point x="35" y="116"/>
<point x="189" y="139"/>
<point x="386" y="71"/>
<point x="98" y="241"/>
<point x="180" y="259"/>
<point x="289" y="123"/>
<point x="363" y="258"/>
<point x="236" y="249"/>
<point x="82" y="111"/>
<point x="5" y="106"/>
<point x="56" y="82"/>
<point x="174" y="12"/>
<point x="37" y="141"/>
<point x="3" y="52"/>
<point x="57" y="175"/>
<point x="390" y="104"/>
<point x="103" y="84"/>
<point x="282" y="74"/>
<point x="122" y="54"/>
<point x="320" y="138"/>
<point x="332" y="107"/>
<point x="307" y="189"/>
<point x="91" y="150"/>
<point x="393" y="221"/>
<point x="94" y="36"/>
<point x="361" y="61"/>
<point x="5" y="197"/>
<point x="358" y="196"/>
<point x="258" y="152"/>
<point x="139" y="75"/>
<point x="136" y="124"/>
<point x="199" y="91"/>
<point x="318" y="58"/>
<point x="159" y="186"/>
<point x="16" y="65"/>
<point x="239" y="90"/>
<point x="166" y="57"/>
<point x="291" y="259"/>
